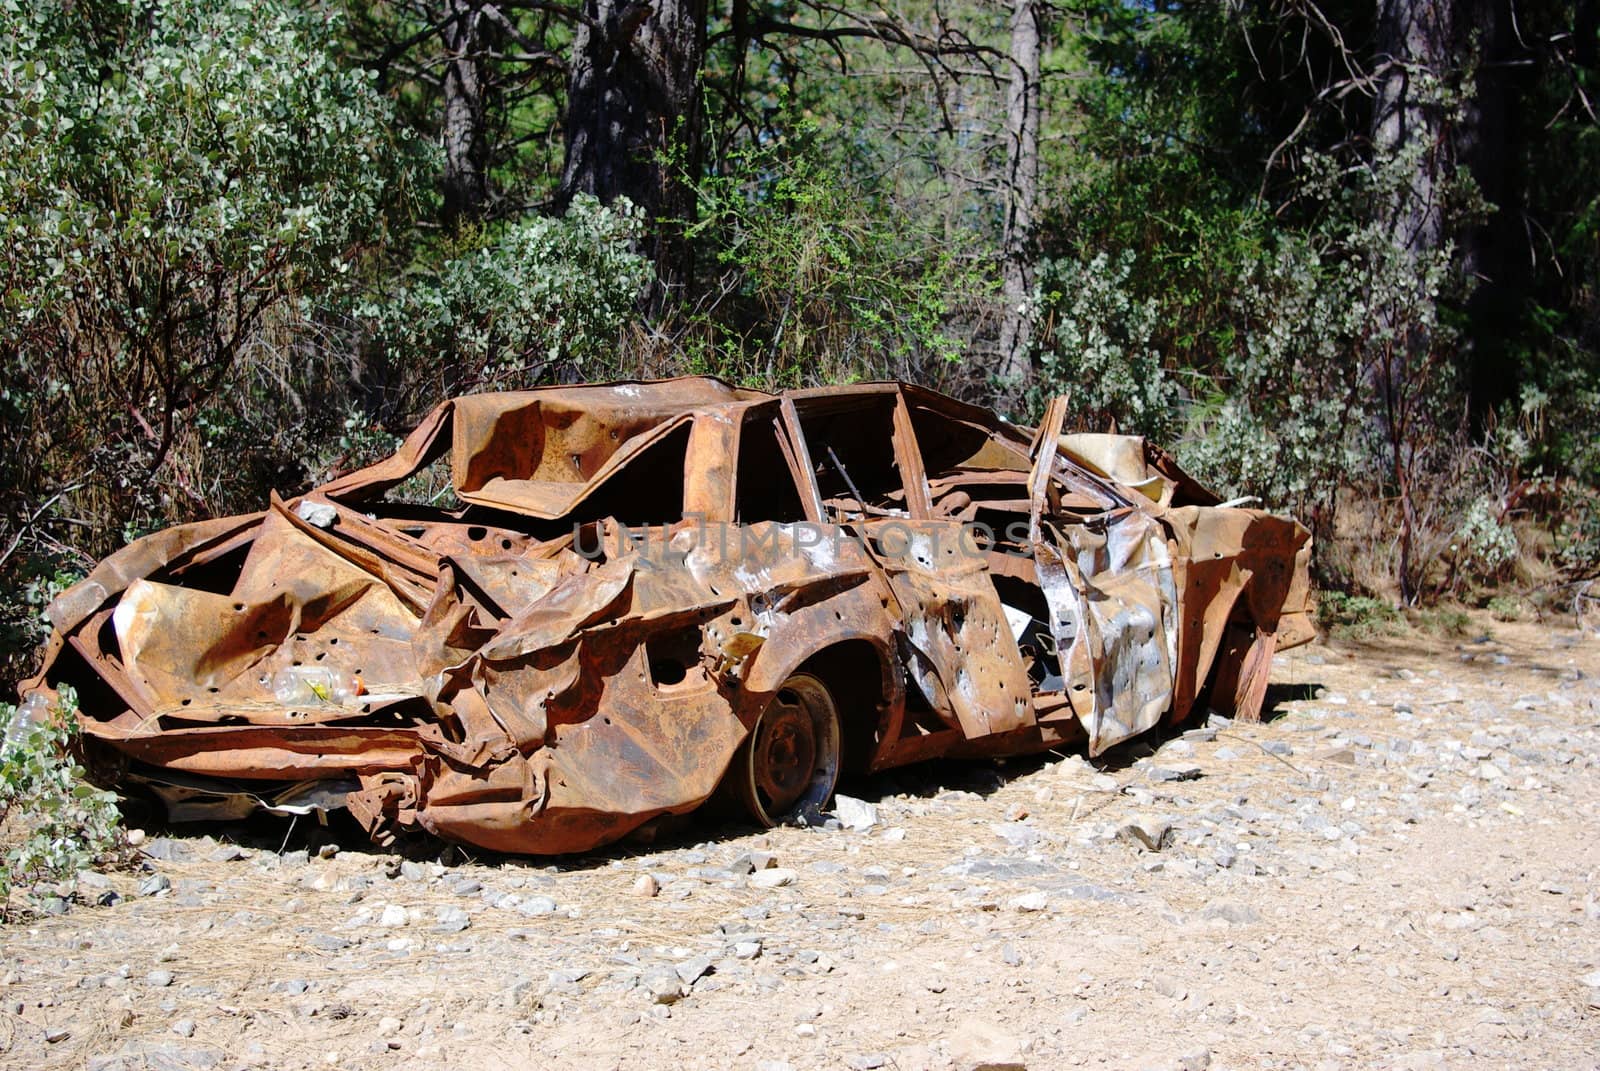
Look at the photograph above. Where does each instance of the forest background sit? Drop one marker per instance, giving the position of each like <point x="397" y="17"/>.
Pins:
<point x="1344" y="257"/>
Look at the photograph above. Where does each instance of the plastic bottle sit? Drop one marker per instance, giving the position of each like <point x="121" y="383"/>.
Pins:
<point x="313" y="684"/>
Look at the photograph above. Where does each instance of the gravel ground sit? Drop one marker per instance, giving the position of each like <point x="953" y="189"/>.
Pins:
<point x="1401" y="869"/>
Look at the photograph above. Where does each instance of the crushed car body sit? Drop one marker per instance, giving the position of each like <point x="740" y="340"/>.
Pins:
<point x="554" y="615"/>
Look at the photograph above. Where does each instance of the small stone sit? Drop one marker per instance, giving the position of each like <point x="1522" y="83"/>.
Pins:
<point x="327" y="851"/>
<point x="317" y="514"/>
<point x="159" y="978"/>
<point x="389" y="1025"/>
<point x="690" y="970"/>
<point x="663" y="985"/>
<point x="866" y="1061"/>
<point x="1234" y="914"/>
<point x="1029" y="902"/>
<point x="184" y="1028"/>
<point x="1180" y="771"/>
<point x="393" y="915"/>
<point x="855" y="815"/>
<point x="56" y="1034"/>
<point x="537" y="905"/>
<point x="228" y="853"/>
<point x="773" y="878"/>
<point x="977" y="1045"/>
<point x="746" y="949"/>
<point x="154" y="885"/>
<point x="1149" y="831"/>
<point x="136" y="837"/>
<point x="646" y="886"/>
<point x="1196" y="1059"/>
<point x="1277" y="747"/>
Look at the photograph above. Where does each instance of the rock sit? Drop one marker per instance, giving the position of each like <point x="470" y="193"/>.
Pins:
<point x="1028" y="902"/>
<point x="451" y="920"/>
<point x="690" y="970"/>
<point x="773" y="877"/>
<point x="154" y="885"/>
<point x="228" y="853"/>
<point x="317" y="514"/>
<point x="978" y="1045"/>
<point x="537" y="905"/>
<point x="388" y="1026"/>
<point x="646" y="886"/>
<point x="394" y="915"/>
<point x="1196" y="1059"/>
<point x="1019" y="835"/>
<point x="159" y="978"/>
<point x="56" y="1035"/>
<point x="855" y="815"/>
<point x="1149" y="831"/>
<point x="866" y="1061"/>
<point x="184" y="1028"/>
<point x="1234" y="914"/>
<point x="746" y="949"/>
<point x="1178" y="771"/>
<point x="663" y="985"/>
<point x="1277" y="747"/>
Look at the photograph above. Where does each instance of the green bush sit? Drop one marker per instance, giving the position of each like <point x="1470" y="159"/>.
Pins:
<point x="57" y="823"/>
<point x="1356" y="617"/>
<point x="537" y="299"/>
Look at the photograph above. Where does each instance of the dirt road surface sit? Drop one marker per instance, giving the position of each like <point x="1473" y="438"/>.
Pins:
<point x="1400" y="869"/>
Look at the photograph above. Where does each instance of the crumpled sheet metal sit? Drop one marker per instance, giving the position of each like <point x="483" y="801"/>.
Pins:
<point x="506" y="691"/>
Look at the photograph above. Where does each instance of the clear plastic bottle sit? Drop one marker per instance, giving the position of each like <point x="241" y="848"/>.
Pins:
<point x="314" y="684"/>
<point x="33" y="710"/>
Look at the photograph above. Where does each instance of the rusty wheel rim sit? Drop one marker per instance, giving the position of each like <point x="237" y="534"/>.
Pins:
<point x="792" y="755"/>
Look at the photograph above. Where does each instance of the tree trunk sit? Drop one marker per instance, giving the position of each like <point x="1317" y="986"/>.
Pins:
<point x="633" y="95"/>
<point x="466" y="152"/>
<point x="1416" y="42"/>
<point x="1021" y="192"/>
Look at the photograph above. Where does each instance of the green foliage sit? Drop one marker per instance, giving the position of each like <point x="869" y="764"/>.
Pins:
<point x="173" y="176"/>
<point x="532" y="299"/>
<point x="1505" y="607"/>
<point x="1485" y="543"/>
<point x="58" y="823"/>
<point x="1097" y="343"/>
<point x="1356" y="617"/>
<point x="819" y="287"/>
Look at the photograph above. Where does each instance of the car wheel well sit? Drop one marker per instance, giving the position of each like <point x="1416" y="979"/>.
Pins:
<point x="856" y="674"/>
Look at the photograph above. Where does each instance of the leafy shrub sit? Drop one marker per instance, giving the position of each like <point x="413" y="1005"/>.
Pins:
<point x="1505" y="607"/>
<point x="539" y="298"/>
<point x="60" y="823"/>
<point x="175" y="176"/>
<point x="1356" y="617"/>
<point x="1096" y="343"/>
<point x="1485" y="543"/>
<point x="818" y="284"/>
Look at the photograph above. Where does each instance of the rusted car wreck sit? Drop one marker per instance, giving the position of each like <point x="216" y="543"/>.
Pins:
<point x="643" y="591"/>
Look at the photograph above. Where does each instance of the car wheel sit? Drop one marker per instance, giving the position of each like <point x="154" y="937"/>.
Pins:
<point x="789" y="764"/>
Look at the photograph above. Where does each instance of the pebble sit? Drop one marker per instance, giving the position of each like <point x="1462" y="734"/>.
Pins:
<point x="159" y="978"/>
<point x="979" y="1045"/>
<point x="853" y="814"/>
<point x="154" y="885"/>
<point x="184" y="1028"/>
<point x="1147" y="831"/>
<point x="773" y="877"/>
<point x="646" y="886"/>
